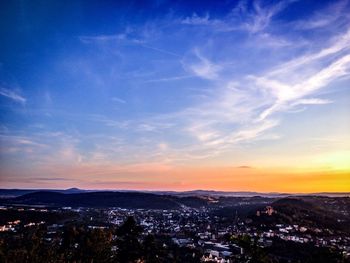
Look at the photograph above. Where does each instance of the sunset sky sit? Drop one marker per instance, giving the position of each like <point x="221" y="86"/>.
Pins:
<point x="175" y="95"/>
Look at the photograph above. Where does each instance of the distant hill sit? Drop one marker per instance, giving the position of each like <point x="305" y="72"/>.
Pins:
<point x="73" y="190"/>
<point x="74" y="198"/>
<point x="96" y="199"/>
<point x="214" y="193"/>
<point x="5" y="193"/>
<point x="18" y="192"/>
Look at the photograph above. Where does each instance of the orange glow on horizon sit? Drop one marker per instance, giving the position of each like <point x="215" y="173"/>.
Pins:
<point x="164" y="177"/>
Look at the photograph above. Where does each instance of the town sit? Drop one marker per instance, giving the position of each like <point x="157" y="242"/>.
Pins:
<point x="201" y="234"/>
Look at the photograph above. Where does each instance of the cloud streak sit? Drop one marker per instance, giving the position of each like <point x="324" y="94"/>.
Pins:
<point x="10" y="94"/>
<point x="288" y="93"/>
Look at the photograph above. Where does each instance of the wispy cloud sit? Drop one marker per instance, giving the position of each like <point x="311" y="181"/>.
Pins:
<point x="245" y="167"/>
<point x="170" y="78"/>
<point x="119" y="100"/>
<point x="339" y="43"/>
<point x="8" y="93"/>
<point x="16" y="144"/>
<point x="261" y="15"/>
<point x="197" y="20"/>
<point x="127" y="37"/>
<point x="312" y="101"/>
<point x="19" y="140"/>
<point x="102" y="38"/>
<point x="334" y="14"/>
<point x="201" y="66"/>
<point x="51" y="179"/>
<point x="252" y="17"/>
<point x="160" y="50"/>
<point x="300" y="83"/>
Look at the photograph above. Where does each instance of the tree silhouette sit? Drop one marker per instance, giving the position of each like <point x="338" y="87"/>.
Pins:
<point x="128" y="245"/>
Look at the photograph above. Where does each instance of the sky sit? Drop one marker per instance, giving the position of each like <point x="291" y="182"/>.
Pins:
<point x="175" y="95"/>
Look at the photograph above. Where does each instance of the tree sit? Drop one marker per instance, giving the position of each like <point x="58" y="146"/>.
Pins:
<point x="128" y="245"/>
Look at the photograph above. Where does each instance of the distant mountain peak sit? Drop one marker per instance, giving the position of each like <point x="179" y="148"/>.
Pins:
<point x="73" y="190"/>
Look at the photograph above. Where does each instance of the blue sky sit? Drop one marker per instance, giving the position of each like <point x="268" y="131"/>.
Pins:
<point x="99" y="92"/>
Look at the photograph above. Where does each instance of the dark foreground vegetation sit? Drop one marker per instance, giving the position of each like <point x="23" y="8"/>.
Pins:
<point x="79" y="243"/>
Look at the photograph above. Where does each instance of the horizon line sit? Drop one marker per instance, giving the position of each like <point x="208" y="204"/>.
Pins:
<point x="179" y="191"/>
